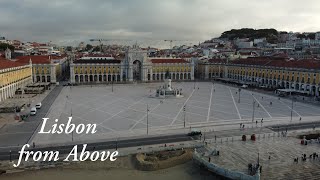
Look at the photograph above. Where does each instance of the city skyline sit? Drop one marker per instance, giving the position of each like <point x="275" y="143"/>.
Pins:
<point x="68" y="22"/>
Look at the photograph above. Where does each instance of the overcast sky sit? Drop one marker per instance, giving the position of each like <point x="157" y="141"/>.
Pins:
<point x="68" y="20"/>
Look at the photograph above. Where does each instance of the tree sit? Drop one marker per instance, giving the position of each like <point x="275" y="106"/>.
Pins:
<point x="69" y="48"/>
<point x="311" y="36"/>
<point x="96" y="49"/>
<point x="4" y="46"/>
<point x="249" y="33"/>
<point x="88" y="47"/>
<point x="220" y="45"/>
<point x="301" y="36"/>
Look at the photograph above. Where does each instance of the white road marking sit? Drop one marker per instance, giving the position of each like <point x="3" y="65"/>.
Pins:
<point x="197" y="106"/>
<point x="208" y="116"/>
<point x="141" y="119"/>
<point x="291" y="108"/>
<point x="167" y="117"/>
<point x="175" y="118"/>
<point x="262" y="106"/>
<point x="235" y="104"/>
<point x="224" y="112"/>
<point x="122" y="111"/>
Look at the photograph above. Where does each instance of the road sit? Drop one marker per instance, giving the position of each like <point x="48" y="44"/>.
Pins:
<point x="144" y="141"/>
<point x="19" y="134"/>
<point x="5" y="154"/>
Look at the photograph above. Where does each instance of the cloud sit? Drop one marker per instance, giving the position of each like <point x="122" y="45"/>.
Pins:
<point x="64" y="21"/>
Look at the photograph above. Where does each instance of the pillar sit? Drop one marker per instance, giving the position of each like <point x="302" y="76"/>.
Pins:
<point x="130" y="73"/>
<point x="121" y="73"/>
<point x="206" y="72"/>
<point x="53" y="74"/>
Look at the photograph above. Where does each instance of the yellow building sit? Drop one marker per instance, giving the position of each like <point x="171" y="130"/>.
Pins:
<point x="13" y="75"/>
<point x="302" y="76"/>
<point x="46" y="68"/>
<point x="135" y="66"/>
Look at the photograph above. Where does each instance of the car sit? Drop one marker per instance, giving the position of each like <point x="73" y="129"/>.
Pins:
<point x="194" y="133"/>
<point x="244" y="86"/>
<point x="38" y="106"/>
<point x="67" y="84"/>
<point x="33" y="111"/>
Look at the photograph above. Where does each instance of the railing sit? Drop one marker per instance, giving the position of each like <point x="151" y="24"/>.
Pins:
<point x="223" y="171"/>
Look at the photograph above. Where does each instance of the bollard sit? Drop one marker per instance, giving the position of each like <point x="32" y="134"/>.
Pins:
<point x="227" y="139"/>
<point x="264" y="135"/>
<point x="221" y="140"/>
<point x="232" y="139"/>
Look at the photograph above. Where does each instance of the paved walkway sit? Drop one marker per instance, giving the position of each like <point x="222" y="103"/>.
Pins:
<point x="236" y="155"/>
<point x="8" y="133"/>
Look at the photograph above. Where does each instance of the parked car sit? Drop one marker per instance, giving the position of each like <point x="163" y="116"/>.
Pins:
<point x="38" y="106"/>
<point x="33" y="111"/>
<point x="194" y="133"/>
<point x="244" y="86"/>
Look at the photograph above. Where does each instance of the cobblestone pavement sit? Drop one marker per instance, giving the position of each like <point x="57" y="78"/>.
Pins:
<point x="238" y="154"/>
<point x="122" y="112"/>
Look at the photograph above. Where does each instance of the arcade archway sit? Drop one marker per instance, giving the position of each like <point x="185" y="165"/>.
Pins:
<point x="137" y="68"/>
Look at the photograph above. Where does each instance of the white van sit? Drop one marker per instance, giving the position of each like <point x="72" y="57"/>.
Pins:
<point x="38" y="106"/>
<point x="33" y="111"/>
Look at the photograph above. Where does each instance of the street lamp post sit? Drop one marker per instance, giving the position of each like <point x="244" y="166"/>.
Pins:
<point x="117" y="144"/>
<point x="291" y="110"/>
<point x="253" y="108"/>
<point x="239" y="95"/>
<point x="147" y="119"/>
<point x="184" y="116"/>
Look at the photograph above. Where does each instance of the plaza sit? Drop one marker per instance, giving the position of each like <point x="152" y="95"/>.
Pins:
<point x="120" y="111"/>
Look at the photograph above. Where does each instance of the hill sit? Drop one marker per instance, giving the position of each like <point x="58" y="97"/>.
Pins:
<point x="270" y="34"/>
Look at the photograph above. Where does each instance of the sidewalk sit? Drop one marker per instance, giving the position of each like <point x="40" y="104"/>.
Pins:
<point x="14" y="135"/>
<point x="33" y="99"/>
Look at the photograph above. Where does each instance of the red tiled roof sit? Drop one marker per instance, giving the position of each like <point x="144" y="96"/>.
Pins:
<point x="4" y="63"/>
<point x="217" y="61"/>
<point x="58" y="57"/>
<point x="306" y="63"/>
<point x="97" y="55"/>
<point x="168" y="61"/>
<point x="35" y="59"/>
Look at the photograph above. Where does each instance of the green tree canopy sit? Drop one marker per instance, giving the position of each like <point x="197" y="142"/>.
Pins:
<point x="96" y="49"/>
<point x="88" y="47"/>
<point x="4" y="46"/>
<point x="250" y="33"/>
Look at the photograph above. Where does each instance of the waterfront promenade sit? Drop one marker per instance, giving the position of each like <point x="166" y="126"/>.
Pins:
<point x="275" y="153"/>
